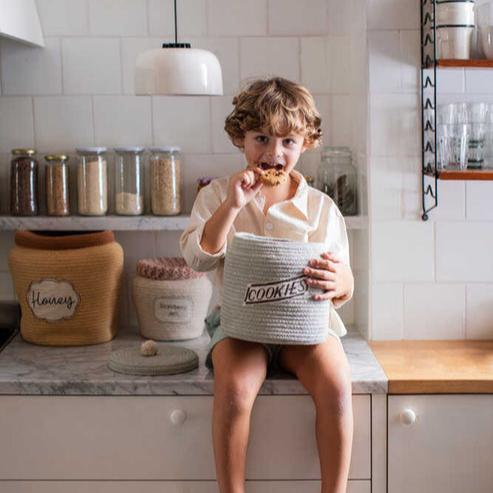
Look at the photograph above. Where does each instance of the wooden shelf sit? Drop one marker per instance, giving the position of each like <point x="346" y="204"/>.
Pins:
<point x="467" y="174"/>
<point x="465" y="63"/>
<point x="119" y="223"/>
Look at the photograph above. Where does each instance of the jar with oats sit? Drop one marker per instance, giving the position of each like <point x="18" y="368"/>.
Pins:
<point x="57" y="185"/>
<point x="165" y="181"/>
<point x="92" y="181"/>
<point x="24" y="183"/>
<point x="129" y="181"/>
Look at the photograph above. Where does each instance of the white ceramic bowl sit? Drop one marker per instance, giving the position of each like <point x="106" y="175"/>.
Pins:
<point x="455" y="13"/>
<point x="484" y="12"/>
<point x="486" y="40"/>
<point x="454" y="42"/>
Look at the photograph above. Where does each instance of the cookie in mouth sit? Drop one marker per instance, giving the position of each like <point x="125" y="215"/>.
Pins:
<point x="272" y="175"/>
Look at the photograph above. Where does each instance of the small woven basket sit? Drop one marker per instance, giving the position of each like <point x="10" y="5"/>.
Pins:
<point x="266" y="298"/>
<point x="68" y="286"/>
<point x="171" y="299"/>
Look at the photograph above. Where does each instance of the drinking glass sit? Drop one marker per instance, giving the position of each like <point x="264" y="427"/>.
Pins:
<point x="452" y="145"/>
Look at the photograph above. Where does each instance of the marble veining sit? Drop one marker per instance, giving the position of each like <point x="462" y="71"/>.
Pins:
<point x="30" y="369"/>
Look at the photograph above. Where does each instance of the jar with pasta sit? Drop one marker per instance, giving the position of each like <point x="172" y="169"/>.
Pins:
<point x="92" y="181"/>
<point x="24" y="183"/>
<point x="57" y="185"/>
<point x="165" y="181"/>
<point x="129" y="181"/>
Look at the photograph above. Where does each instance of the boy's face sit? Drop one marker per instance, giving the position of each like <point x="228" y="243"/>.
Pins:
<point x="270" y="151"/>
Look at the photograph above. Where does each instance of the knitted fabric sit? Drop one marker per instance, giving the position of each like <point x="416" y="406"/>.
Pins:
<point x="166" y="269"/>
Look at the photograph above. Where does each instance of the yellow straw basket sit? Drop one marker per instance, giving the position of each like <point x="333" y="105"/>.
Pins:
<point x="68" y="286"/>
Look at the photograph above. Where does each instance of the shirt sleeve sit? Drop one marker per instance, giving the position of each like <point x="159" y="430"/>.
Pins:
<point x="338" y="244"/>
<point x="206" y="203"/>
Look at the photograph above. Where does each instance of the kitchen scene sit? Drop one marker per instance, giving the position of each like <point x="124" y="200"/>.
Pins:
<point x="115" y="130"/>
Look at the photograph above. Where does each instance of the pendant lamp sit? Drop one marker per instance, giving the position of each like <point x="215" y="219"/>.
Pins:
<point x="178" y="69"/>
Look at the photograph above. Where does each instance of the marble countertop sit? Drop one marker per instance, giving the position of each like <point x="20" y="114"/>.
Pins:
<point x="28" y="369"/>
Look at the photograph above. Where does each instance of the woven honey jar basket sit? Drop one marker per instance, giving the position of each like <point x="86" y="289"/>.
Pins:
<point x="68" y="286"/>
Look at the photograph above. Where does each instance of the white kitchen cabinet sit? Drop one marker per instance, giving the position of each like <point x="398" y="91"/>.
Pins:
<point x="163" y="438"/>
<point x="440" y="443"/>
<point x="168" y="487"/>
<point x="19" y="20"/>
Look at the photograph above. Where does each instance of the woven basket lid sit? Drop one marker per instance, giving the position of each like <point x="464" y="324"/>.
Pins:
<point x="166" y="269"/>
<point x="168" y="361"/>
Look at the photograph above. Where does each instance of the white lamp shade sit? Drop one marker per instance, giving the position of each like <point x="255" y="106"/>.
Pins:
<point x="178" y="71"/>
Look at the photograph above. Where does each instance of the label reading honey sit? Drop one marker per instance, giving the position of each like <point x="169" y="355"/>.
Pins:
<point x="173" y="309"/>
<point x="52" y="299"/>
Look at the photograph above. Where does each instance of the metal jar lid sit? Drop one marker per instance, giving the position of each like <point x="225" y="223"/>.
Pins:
<point x="24" y="151"/>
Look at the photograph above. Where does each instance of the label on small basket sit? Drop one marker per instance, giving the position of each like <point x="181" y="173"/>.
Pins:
<point x="52" y="299"/>
<point x="173" y="309"/>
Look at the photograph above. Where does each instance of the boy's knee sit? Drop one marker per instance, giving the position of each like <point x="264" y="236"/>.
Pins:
<point x="236" y="394"/>
<point x="334" y="394"/>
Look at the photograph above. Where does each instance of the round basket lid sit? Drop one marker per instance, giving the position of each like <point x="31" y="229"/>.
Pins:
<point x="166" y="269"/>
<point x="168" y="361"/>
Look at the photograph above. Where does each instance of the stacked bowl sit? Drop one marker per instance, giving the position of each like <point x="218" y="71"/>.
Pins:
<point x="484" y="15"/>
<point x="454" y="28"/>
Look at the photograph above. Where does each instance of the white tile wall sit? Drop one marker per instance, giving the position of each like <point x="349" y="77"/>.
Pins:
<point x="478" y="200"/>
<point x="479" y="311"/>
<point x="393" y="14"/>
<point x="63" y="17"/>
<point x="434" y="311"/>
<point x="118" y="17"/>
<point x="21" y="62"/>
<point x="262" y="57"/>
<point x="122" y="120"/>
<point x="463" y="251"/>
<point x="315" y="68"/>
<point x="91" y="66"/>
<point x="221" y="107"/>
<point x="192" y="18"/>
<point x="16" y="123"/>
<point x="237" y="18"/>
<point x="403" y="251"/>
<point x="63" y="122"/>
<point x="292" y="17"/>
<point x="183" y="121"/>
<point x="387" y="310"/>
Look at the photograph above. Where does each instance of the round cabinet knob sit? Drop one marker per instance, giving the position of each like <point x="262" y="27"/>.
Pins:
<point x="178" y="416"/>
<point x="407" y="417"/>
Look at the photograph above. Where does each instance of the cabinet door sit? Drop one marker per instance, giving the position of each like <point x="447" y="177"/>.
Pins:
<point x="168" y="487"/>
<point x="160" y="438"/>
<point x="440" y="444"/>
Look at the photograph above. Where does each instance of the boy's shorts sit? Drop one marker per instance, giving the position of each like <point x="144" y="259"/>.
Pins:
<point x="213" y="325"/>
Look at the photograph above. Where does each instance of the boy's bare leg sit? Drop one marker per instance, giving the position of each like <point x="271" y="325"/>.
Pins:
<point x="240" y="367"/>
<point x="324" y="371"/>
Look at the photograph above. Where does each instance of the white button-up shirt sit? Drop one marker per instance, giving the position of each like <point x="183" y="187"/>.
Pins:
<point x="309" y="216"/>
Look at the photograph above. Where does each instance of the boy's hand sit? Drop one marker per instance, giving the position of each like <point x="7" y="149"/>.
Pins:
<point x="243" y="187"/>
<point x="331" y="275"/>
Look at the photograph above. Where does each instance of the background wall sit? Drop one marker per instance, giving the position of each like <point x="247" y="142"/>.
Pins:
<point x="434" y="279"/>
<point x="78" y="91"/>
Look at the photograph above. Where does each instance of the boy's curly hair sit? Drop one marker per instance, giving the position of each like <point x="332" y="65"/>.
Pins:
<point x="277" y="105"/>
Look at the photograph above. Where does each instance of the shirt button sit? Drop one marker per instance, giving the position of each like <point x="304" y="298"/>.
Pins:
<point x="269" y="226"/>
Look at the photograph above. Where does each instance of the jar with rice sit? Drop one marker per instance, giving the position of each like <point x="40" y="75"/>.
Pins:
<point x="165" y="181"/>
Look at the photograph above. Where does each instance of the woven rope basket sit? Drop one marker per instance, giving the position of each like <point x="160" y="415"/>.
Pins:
<point x="170" y="299"/>
<point x="266" y="298"/>
<point x="68" y="286"/>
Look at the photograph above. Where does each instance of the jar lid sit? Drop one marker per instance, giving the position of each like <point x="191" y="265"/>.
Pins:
<point x="164" y="149"/>
<point x="131" y="149"/>
<point x="91" y="150"/>
<point x="56" y="157"/>
<point x="24" y="151"/>
<point x="166" y="269"/>
<point x="336" y="151"/>
<point x="169" y="360"/>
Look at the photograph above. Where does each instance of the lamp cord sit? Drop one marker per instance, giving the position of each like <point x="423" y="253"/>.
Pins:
<point x="176" y="25"/>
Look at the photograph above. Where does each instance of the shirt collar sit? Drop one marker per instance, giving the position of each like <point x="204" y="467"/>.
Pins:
<point x="300" y="198"/>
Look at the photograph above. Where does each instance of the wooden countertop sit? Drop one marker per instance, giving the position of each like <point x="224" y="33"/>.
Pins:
<point x="436" y="366"/>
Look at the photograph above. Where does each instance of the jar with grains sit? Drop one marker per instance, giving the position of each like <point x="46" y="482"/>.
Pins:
<point x="129" y="181"/>
<point x="57" y="185"/>
<point x="24" y="183"/>
<point x="165" y="181"/>
<point x="92" y="181"/>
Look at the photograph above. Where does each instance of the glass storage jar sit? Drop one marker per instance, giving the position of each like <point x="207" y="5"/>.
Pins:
<point x="57" y="185"/>
<point x="165" y="181"/>
<point x="92" y="181"/>
<point x="24" y="183"/>
<point x="337" y="177"/>
<point x="129" y="181"/>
